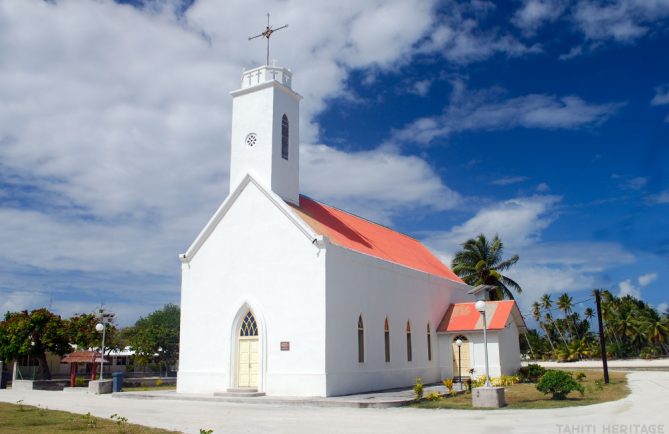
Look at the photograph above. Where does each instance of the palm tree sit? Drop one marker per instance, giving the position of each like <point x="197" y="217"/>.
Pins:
<point x="480" y="263"/>
<point x="656" y="330"/>
<point x="565" y="303"/>
<point x="536" y="313"/>
<point x="589" y="313"/>
<point x="546" y="304"/>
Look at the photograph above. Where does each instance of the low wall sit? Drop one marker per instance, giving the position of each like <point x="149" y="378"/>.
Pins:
<point x="39" y="384"/>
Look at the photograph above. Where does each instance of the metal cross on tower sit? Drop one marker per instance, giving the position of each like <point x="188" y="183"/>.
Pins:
<point x="266" y="34"/>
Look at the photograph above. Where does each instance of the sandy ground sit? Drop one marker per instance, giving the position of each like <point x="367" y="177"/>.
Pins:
<point x="644" y="410"/>
<point x="613" y="364"/>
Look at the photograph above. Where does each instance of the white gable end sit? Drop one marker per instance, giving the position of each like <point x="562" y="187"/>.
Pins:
<point x="229" y="202"/>
<point x="254" y="255"/>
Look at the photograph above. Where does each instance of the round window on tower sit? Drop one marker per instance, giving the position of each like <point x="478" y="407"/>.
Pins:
<point x="251" y="139"/>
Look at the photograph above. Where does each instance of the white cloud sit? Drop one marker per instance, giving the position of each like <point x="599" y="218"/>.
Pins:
<point x="392" y="182"/>
<point x="620" y="20"/>
<point x="628" y="287"/>
<point x="519" y="223"/>
<point x="544" y="266"/>
<point x="661" y="95"/>
<point x="533" y="13"/>
<point x="479" y="111"/>
<point x="647" y="279"/>
<point x="662" y="307"/>
<point x="543" y="187"/>
<point x="115" y="124"/>
<point x="659" y="198"/>
<point x="461" y="39"/>
<point x="421" y="87"/>
<point x="508" y="180"/>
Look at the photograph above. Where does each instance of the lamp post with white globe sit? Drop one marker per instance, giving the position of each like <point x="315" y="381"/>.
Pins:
<point x="102" y="327"/>
<point x="480" y="306"/>
<point x="458" y="342"/>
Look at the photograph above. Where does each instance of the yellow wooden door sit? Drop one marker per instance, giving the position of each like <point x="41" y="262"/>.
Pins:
<point x="465" y="359"/>
<point x="254" y="363"/>
<point x="248" y="363"/>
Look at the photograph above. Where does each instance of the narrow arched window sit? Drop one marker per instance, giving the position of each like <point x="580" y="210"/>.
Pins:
<point x="249" y="326"/>
<point x="285" y="137"/>
<point x="409" y="355"/>
<point x="386" y="337"/>
<point x="429" y="344"/>
<point x="361" y="340"/>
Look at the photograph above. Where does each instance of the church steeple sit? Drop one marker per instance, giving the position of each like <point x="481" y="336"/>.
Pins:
<point x="265" y="131"/>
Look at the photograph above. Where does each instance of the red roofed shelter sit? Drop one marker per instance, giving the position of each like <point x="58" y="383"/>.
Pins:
<point x="91" y="358"/>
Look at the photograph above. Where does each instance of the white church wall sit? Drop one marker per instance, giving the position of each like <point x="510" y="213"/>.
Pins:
<point x="446" y="356"/>
<point x="509" y="347"/>
<point x="478" y="353"/>
<point x="256" y="256"/>
<point x="361" y="284"/>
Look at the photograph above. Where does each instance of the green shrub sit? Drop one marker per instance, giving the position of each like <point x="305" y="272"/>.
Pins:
<point x="79" y="382"/>
<point x="581" y="376"/>
<point x="434" y="396"/>
<point x="159" y="382"/>
<point x="531" y="373"/>
<point x="559" y="384"/>
<point x="418" y="388"/>
<point x="599" y="384"/>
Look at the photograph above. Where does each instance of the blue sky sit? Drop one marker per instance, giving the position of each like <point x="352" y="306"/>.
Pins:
<point x="544" y="121"/>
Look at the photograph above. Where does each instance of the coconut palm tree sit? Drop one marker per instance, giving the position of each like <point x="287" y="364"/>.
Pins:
<point x="589" y="313"/>
<point x="565" y="304"/>
<point x="536" y="313"/>
<point x="546" y="304"/>
<point x="480" y="263"/>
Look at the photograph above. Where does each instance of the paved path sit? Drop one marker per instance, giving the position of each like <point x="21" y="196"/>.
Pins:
<point x="659" y="364"/>
<point x="647" y="404"/>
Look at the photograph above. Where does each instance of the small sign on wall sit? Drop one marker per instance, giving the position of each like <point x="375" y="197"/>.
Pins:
<point x="285" y="346"/>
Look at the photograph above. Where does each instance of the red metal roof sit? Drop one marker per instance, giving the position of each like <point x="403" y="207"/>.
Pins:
<point x="82" y="357"/>
<point x="355" y="233"/>
<point x="462" y="317"/>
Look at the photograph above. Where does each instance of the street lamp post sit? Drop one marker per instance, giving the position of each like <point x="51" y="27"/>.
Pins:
<point x="480" y="306"/>
<point x="101" y="327"/>
<point x="458" y="342"/>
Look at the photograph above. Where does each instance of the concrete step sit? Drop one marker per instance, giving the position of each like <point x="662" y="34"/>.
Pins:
<point x="240" y="392"/>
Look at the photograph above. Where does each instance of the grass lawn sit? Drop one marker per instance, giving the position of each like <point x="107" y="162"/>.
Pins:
<point x="26" y="419"/>
<point x="525" y="395"/>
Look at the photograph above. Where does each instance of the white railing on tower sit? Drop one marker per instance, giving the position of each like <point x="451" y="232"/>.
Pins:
<point x="266" y="73"/>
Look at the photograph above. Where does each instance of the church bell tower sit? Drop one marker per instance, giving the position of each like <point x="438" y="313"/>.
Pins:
<point x="265" y="131"/>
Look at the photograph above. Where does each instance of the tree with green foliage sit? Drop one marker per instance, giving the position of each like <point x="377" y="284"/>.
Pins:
<point x="82" y="333"/>
<point x="33" y="334"/>
<point x="156" y="337"/>
<point x="480" y="262"/>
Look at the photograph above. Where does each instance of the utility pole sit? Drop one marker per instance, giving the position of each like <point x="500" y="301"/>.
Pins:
<point x="602" y="340"/>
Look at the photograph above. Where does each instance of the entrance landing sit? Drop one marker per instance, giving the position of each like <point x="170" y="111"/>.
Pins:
<point x="381" y="399"/>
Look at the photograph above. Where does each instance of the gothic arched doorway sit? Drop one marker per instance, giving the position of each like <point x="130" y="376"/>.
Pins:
<point x="248" y="353"/>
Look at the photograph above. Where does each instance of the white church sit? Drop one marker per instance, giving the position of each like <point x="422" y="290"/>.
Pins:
<point x="284" y="295"/>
